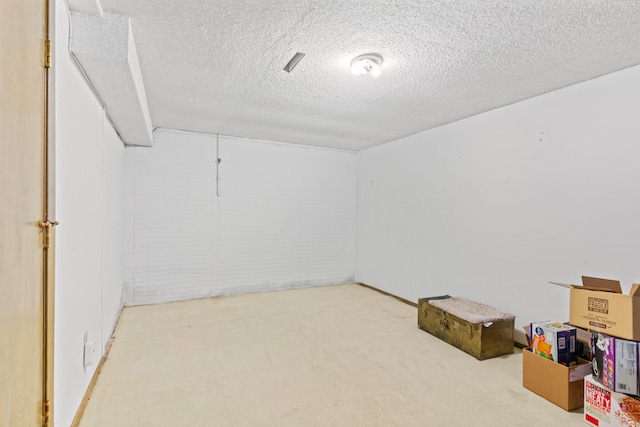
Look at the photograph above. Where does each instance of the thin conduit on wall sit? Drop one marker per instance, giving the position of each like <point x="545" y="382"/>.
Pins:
<point x="218" y="160"/>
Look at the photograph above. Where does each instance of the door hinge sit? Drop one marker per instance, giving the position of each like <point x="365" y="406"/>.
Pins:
<point x="46" y="411"/>
<point x="47" y="54"/>
<point x="46" y="227"/>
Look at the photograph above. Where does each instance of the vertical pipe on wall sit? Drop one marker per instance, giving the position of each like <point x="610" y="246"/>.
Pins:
<point x="218" y="160"/>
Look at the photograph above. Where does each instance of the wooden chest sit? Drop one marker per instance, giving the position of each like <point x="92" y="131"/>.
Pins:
<point x="477" y="329"/>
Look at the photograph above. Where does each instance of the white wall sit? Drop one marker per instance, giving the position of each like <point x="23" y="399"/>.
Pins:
<point x="113" y="176"/>
<point x="286" y="217"/>
<point x="493" y="207"/>
<point x="89" y="197"/>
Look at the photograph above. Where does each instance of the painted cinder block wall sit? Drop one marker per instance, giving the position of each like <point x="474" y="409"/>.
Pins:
<point x="280" y="216"/>
<point x="494" y="206"/>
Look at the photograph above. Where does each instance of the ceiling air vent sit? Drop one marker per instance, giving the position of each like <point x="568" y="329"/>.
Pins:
<point x="293" y="62"/>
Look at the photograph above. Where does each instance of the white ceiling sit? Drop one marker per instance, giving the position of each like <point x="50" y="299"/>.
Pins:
<point x="216" y="66"/>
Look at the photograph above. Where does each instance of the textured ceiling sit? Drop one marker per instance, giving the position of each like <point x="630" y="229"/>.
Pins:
<point x="217" y="65"/>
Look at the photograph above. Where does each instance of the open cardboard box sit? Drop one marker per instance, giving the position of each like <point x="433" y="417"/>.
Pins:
<point x="600" y="305"/>
<point x="559" y="384"/>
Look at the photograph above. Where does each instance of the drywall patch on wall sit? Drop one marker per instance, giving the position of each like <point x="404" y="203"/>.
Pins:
<point x="494" y="206"/>
<point x="285" y="217"/>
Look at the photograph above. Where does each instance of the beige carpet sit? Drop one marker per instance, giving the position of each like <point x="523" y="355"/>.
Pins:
<point x="325" y="356"/>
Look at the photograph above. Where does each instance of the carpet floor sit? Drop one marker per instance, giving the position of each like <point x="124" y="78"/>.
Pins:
<point x="340" y="355"/>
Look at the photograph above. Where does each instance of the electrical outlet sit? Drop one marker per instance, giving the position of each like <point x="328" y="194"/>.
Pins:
<point x="89" y="353"/>
<point x="88" y="350"/>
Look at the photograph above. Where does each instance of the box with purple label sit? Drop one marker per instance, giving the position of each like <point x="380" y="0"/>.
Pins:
<point x="615" y="363"/>
<point x="604" y="362"/>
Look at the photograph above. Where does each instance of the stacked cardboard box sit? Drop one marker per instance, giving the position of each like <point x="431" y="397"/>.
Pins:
<point x="610" y="394"/>
<point x="603" y="406"/>
<point x="551" y="368"/>
<point x="559" y="384"/>
<point x="615" y="363"/>
<point x="585" y="343"/>
<point x="600" y="306"/>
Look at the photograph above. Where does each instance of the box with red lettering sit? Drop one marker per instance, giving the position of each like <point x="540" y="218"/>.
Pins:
<point x="602" y="406"/>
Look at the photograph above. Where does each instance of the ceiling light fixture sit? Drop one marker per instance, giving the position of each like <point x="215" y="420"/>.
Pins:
<point x="369" y="63"/>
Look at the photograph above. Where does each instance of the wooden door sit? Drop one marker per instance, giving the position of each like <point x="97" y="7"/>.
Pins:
<point x="24" y="323"/>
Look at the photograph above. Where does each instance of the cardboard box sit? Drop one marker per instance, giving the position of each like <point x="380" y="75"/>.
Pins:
<point x="585" y="344"/>
<point x="554" y="341"/>
<point x="599" y="305"/>
<point x="559" y="384"/>
<point x="615" y="363"/>
<point x="605" y="407"/>
<point x="490" y="337"/>
<point x="627" y="380"/>
<point x="604" y="361"/>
